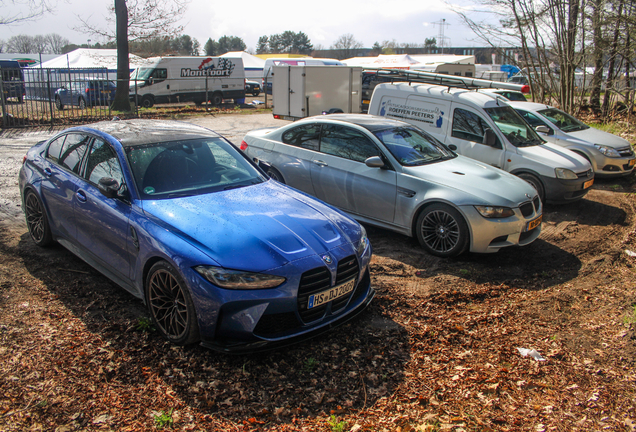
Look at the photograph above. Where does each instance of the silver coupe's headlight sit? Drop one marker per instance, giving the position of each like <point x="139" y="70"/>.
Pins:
<point x="364" y="241"/>
<point x="607" y="151"/>
<point x="236" y="279"/>
<point x="565" y="174"/>
<point x="495" y="212"/>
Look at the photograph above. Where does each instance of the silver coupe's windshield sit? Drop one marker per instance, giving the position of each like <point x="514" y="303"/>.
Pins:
<point x="189" y="167"/>
<point x="563" y="120"/>
<point x="514" y="127"/>
<point x="412" y="147"/>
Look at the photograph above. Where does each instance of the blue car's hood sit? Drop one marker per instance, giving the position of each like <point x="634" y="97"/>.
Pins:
<point x="487" y="185"/>
<point x="255" y="228"/>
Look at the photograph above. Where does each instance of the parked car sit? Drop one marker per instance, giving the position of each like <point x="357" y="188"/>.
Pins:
<point x="85" y="93"/>
<point x="178" y="216"/>
<point x="394" y="175"/>
<point x="508" y="95"/>
<point x="609" y="155"/>
<point x="12" y="80"/>
<point x="253" y="88"/>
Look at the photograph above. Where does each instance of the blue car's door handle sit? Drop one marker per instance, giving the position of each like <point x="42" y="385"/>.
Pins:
<point x="81" y="196"/>
<point x="48" y="171"/>
<point x="320" y="163"/>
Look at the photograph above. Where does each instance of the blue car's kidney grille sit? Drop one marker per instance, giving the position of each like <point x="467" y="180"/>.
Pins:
<point x="312" y="282"/>
<point x="537" y="203"/>
<point x="317" y="280"/>
<point x="347" y="270"/>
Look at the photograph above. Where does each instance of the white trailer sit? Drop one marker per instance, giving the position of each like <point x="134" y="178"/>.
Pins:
<point x="303" y="91"/>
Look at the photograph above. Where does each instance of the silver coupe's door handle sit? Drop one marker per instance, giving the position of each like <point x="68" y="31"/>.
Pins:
<point x="320" y="163"/>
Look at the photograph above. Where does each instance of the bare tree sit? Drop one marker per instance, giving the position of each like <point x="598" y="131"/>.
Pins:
<point x="547" y="34"/>
<point x="346" y="46"/>
<point x="135" y="20"/>
<point x="18" y="11"/>
<point x="56" y="42"/>
<point x="40" y="44"/>
<point x="21" y="44"/>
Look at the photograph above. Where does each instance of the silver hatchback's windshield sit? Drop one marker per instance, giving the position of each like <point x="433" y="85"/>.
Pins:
<point x="412" y="147"/>
<point x="514" y="127"/>
<point x="563" y="120"/>
<point x="191" y="167"/>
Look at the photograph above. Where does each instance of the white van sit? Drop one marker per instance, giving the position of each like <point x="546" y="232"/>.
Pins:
<point x="182" y="79"/>
<point x="268" y="67"/>
<point x="486" y="128"/>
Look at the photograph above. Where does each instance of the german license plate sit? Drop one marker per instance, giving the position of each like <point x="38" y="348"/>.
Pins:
<point x="331" y="294"/>
<point x="588" y="184"/>
<point x="632" y="162"/>
<point x="534" y="223"/>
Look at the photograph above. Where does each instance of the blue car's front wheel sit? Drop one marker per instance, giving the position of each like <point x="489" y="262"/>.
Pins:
<point x="170" y="305"/>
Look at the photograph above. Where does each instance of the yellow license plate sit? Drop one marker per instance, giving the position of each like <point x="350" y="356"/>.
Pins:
<point x="588" y="184"/>
<point x="534" y="223"/>
<point x="632" y="162"/>
<point x="331" y="294"/>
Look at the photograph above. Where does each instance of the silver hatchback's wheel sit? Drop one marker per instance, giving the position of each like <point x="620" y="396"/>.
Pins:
<point x="442" y="231"/>
<point x="170" y="305"/>
<point x="37" y="222"/>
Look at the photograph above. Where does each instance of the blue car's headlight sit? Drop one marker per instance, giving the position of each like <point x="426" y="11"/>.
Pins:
<point x="607" y="151"/>
<point x="363" y="242"/>
<point x="236" y="279"/>
<point x="495" y="212"/>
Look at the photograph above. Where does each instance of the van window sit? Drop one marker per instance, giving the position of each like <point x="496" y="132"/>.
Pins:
<point x="469" y="126"/>
<point x="515" y="129"/>
<point x="305" y="136"/>
<point x="347" y="143"/>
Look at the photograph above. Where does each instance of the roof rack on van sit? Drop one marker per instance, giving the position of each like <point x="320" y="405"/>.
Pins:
<point x="395" y="75"/>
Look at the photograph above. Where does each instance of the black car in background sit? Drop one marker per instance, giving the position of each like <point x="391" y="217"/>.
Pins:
<point x="253" y="88"/>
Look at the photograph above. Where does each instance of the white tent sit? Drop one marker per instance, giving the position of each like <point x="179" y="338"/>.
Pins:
<point x="43" y="80"/>
<point x="90" y="58"/>
<point x="403" y="61"/>
<point x="252" y="64"/>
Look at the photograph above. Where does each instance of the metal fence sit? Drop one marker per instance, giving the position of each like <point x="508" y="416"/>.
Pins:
<point x="38" y="96"/>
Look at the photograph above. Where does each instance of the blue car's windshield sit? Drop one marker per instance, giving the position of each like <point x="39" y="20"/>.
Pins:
<point x="189" y="167"/>
<point x="412" y="147"/>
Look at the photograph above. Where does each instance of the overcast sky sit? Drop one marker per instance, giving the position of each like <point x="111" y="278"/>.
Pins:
<point x="369" y="21"/>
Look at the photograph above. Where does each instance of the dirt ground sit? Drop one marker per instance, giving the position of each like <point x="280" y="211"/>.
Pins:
<point x="436" y="351"/>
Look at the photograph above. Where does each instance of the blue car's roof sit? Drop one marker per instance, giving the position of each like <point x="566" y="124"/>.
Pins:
<point x="139" y="131"/>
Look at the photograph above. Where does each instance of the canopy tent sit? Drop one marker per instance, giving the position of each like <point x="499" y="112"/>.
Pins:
<point x="42" y="80"/>
<point x="252" y="64"/>
<point x="403" y="61"/>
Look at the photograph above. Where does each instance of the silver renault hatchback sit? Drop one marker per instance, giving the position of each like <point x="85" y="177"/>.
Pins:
<point x="393" y="175"/>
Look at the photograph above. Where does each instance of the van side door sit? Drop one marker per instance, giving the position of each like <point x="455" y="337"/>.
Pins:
<point x="468" y="134"/>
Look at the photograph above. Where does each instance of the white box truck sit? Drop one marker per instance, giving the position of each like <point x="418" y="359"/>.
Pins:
<point x="183" y="79"/>
<point x="302" y="91"/>
<point x="487" y="129"/>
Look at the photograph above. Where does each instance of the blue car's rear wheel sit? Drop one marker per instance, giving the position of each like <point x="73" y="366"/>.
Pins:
<point x="442" y="231"/>
<point x="36" y="219"/>
<point x="170" y="305"/>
